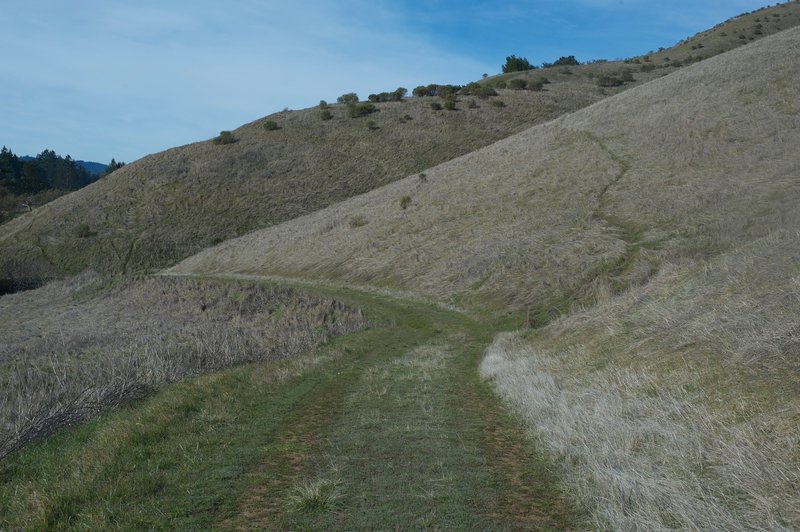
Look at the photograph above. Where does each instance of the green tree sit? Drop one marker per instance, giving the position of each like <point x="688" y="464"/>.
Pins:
<point x="516" y="64"/>
<point x="350" y="97"/>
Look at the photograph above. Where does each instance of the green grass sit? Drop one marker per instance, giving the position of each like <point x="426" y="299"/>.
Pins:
<point x="389" y="426"/>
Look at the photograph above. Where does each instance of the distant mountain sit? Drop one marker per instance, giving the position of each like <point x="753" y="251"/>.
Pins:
<point x="90" y="166"/>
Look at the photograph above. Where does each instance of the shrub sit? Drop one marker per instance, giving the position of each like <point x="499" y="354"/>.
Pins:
<point x="372" y="126"/>
<point x="83" y="231"/>
<point x="358" y="220"/>
<point x="423" y="177"/>
<point x="627" y="76"/>
<point x="498" y="103"/>
<point x="450" y="104"/>
<point x="405" y="201"/>
<point x="436" y="106"/>
<point x="517" y="84"/>
<point x="350" y="97"/>
<point x="472" y="104"/>
<point x="516" y="64"/>
<point x="325" y="114"/>
<point x="323" y="104"/>
<point x="536" y="86"/>
<point x="354" y="110"/>
<point x="650" y="67"/>
<point x="609" y="81"/>
<point x="271" y="125"/>
<point x="225" y="137"/>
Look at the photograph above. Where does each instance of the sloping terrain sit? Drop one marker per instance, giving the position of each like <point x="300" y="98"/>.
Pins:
<point x="170" y="205"/>
<point x="573" y="210"/>
<point x="677" y="404"/>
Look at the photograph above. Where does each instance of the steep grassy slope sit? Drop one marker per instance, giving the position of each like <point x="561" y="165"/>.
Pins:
<point x="677" y="404"/>
<point x="573" y="210"/>
<point x="168" y="206"/>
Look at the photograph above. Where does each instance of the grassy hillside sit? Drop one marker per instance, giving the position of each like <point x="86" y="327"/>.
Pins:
<point x="574" y="210"/>
<point x="171" y="205"/>
<point x="674" y="405"/>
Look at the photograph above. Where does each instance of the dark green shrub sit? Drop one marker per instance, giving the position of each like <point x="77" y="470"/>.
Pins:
<point x="271" y="125"/>
<point x="500" y="84"/>
<point x="436" y="106"/>
<point x="83" y="231"/>
<point x="225" y="137"/>
<point x="498" y="103"/>
<point x="323" y="104"/>
<point x="516" y="64"/>
<point x="354" y="110"/>
<point x="326" y="114"/>
<point x="350" y="97"/>
<point x="517" y="84"/>
<point x="472" y="104"/>
<point x="405" y="201"/>
<point x="650" y="67"/>
<point x="627" y="77"/>
<point x="536" y="86"/>
<point x="450" y="104"/>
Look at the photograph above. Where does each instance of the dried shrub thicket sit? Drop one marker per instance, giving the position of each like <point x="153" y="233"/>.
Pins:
<point x="73" y="349"/>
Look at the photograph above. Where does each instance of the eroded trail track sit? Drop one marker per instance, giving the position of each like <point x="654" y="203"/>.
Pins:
<point x="389" y="428"/>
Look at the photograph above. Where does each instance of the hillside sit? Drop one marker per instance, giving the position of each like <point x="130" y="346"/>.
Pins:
<point x="573" y="210"/>
<point x="171" y="205"/>
<point x="344" y="367"/>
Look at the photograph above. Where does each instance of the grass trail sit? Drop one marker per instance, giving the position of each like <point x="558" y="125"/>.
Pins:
<point x="387" y="428"/>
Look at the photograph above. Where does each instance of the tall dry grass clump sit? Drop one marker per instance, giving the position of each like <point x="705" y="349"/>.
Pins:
<point x="76" y="348"/>
<point x="677" y="404"/>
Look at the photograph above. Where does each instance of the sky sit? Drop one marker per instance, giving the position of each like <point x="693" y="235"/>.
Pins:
<point x="103" y="79"/>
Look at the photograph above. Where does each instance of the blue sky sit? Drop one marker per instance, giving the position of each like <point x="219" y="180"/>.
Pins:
<point x="98" y="79"/>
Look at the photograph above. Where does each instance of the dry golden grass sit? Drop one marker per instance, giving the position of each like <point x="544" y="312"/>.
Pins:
<point x="170" y="205"/>
<point x="675" y="405"/>
<point x="72" y="349"/>
<point x="573" y="210"/>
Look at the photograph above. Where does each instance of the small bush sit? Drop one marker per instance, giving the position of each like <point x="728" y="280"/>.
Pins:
<point x="358" y="220"/>
<point x="423" y="177"/>
<point x="500" y="84"/>
<point x="517" y="84"/>
<point x="627" y="77"/>
<point x="472" y="104"/>
<point x="649" y="67"/>
<point x="326" y="114"/>
<point x="83" y="231"/>
<point x="436" y="106"/>
<point x="608" y="81"/>
<point x="450" y="105"/>
<point x="372" y="126"/>
<point x="405" y="201"/>
<point x="323" y="104"/>
<point x="271" y="125"/>
<point x="498" y="103"/>
<point x="354" y="110"/>
<point x="225" y="137"/>
<point x="536" y="86"/>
